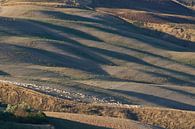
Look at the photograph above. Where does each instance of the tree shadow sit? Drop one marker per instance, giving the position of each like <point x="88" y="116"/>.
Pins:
<point x="126" y="57"/>
<point x="70" y="17"/>
<point x="99" y="20"/>
<point x="20" y="27"/>
<point x="68" y="124"/>
<point x="153" y="55"/>
<point x="18" y="54"/>
<point x="73" y="46"/>
<point x="89" y="58"/>
<point x="164" y="102"/>
<point x="86" y="51"/>
<point x="192" y="95"/>
<point x="173" y="80"/>
<point x="156" y="39"/>
<point x="94" y="53"/>
<point x="170" y="7"/>
<point x="43" y="29"/>
<point x="82" y="51"/>
<point x="70" y="31"/>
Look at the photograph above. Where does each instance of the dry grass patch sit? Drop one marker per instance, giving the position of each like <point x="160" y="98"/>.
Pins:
<point x="167" y="118"/>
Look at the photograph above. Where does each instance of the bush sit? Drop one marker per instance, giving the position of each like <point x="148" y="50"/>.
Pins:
<point x="22" y="113"/>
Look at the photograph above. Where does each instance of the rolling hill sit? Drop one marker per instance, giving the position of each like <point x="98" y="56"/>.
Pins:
<point x="76" y="49"/>
<point x="101" y="51"/>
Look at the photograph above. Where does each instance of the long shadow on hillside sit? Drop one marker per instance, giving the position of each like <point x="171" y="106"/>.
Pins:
<point x="161" y="41"/>
<point x="68" y="124"/>
<point x="40" y="29"/>
<point x="124" y="57"/>
<point x="152" y="54"/>
<point x="166" y="6"/>
<point x="128" y="30"/>
<point x="70" y="17"/>
<point x="73" y="46"/>
<point x="174" y="44"/>
<point x="128" y="58"/>
<point x="18" y="54"/>
<point x="121" y="56"/>
<point x="183" y="92"/>
<point x="102" y="21"/>
<point x="158" y="100"/>
<point x="50" y="31"/>
<point x="70" y="31"/>
<point x="174" y="80"/>
<point x="56" y="32"/>
<point x="84" y="51"/>
<point x="109" y="53"/>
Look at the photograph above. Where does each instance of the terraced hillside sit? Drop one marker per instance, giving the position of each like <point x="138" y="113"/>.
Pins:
<point x="96" y="54"/>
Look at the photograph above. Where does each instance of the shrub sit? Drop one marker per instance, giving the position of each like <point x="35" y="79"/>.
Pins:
<point x="24" y="114"/>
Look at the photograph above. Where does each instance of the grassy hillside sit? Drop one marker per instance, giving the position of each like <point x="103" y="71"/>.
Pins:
<point x="81" y="51"/>
<point x="90" y="59"/>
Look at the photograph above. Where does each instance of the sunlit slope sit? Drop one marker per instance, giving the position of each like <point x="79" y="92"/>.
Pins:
<point x="94" y="53"/>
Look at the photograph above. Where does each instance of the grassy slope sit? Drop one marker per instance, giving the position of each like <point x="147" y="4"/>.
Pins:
<point x="112" y="59"/>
